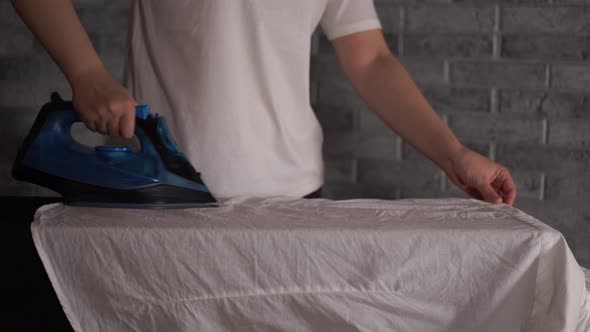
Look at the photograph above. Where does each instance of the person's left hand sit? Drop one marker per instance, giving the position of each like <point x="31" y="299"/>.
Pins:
<point x="481" y="177"/>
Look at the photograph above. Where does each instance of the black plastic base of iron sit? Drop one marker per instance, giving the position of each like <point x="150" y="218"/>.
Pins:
<point x="80" y="194"/>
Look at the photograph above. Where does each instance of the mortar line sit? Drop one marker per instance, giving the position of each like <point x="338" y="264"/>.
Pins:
<point x="447" y="71"/>
<point x="494" y="102"/>
<point x="492" y="151"/>
<point x="544" y="131"/>
<point x="497" y="17"/>
<point x="315" y="43"/>
<point x="402" y="30"/>
<point x="496" y="35"/>
<point x="548" y="76"/>
<point x="399" y="147"/>
<point x="355" y="170"/>
<point x="542" y="187"/>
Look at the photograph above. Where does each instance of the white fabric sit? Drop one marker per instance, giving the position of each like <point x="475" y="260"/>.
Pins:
<point x="232" y="76"/>
<point x="312" y="265"/>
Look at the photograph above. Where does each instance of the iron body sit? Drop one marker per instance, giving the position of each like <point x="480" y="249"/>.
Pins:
<point x="158" y="175"/>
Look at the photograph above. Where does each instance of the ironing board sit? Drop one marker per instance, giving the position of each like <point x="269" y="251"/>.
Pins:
<point x="284" y="264"/>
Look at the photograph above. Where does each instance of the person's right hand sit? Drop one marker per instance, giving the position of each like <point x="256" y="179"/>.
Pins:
<point x="104" y="105"/>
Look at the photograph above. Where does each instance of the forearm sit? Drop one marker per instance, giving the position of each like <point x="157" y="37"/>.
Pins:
<point x="388" y="89"/>
<point x="56" y="25"/>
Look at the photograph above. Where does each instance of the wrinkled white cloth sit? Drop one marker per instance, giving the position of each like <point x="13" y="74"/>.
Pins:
<point x="286" y="264"/>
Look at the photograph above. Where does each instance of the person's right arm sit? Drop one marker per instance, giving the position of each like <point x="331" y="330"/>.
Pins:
<point x="104" y="104"/>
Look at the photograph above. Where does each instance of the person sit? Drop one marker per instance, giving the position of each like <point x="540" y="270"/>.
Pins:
<point x="232" y="77"/>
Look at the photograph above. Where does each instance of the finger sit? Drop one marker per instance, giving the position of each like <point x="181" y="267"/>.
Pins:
<point x="474" y="193"/>
<point x="489" y="194"/>
<point x="509" y="189"/>
<point x="127" y="125"/>
<point x="101" y="126"/>
<point x="91" y="125"/>
<point x="113" y="126"/>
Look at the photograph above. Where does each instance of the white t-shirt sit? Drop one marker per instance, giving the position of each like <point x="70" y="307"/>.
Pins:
<point x="232" y="79"/>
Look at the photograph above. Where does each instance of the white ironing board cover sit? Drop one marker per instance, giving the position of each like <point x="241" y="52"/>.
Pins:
<point x="284" y="264"/>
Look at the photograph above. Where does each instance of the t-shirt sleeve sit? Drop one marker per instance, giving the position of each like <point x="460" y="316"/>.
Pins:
<point x="344" y="17"/>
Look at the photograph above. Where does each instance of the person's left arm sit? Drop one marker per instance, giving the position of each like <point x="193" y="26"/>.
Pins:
<point x="384" y="84"/>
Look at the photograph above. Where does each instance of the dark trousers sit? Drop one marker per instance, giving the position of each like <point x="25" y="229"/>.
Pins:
<point x="315" y="194"/>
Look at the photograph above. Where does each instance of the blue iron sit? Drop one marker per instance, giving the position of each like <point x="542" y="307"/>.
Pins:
<point x="159" y="175"/>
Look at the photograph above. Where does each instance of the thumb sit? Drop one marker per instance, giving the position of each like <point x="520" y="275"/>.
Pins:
<point x="489" y="194"/>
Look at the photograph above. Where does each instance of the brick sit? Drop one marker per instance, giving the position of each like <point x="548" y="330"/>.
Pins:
<point x="547" y="159"/>
<point x="456" y="19"/>
<point x="423" y="175"/>
<point x="377" y="147"/>
<point x="326" y="66"/>
<point x="582" y="255"/>
<point x="340" y="170"/>
<point x="552" y="19"/>
<point x="333" y="118"/>
<point x="15" y="41"/>
<point x="15" y="93"/>
<point x="487" y="2"/>
<point x="340" y="191"/>
<point x="424" y="70"/>
<point x="392" y="43"/>
<point x="452" y="191"/>
<point x="115" y="64"/>
<point x="546" y="47"/>
<point x="484" y="128"/>
<point x="315" y="41"/>
<point x="410" y="153"/>
<point x="8" y="15"/>
<point x="93" y="17"/>
<point x="370" y="124"/>
<point x="332" y="86"/>
<point x="546" y="104"/>
<point x="31" y="94"/>
<point x="339" y="145"/>
<point x="528" y="184"/>
<point x="434" y="192"/>
<point x="31" y="67"/>
<point x="81" y="3"/>
<point x="570" y="133"/>
<point x="451" y="99"/>
<point x="326" y="47"/>
<point x="388" y="3"/>
<point x="17" y="68"/>
<point x="570" y="77"/>
<point x="568" y="188"/>
<point x="448" y="45"/>
<point x="390" y="19"/>
<point x="568" y="217"/>
<point x="42" y="89"/>
<point x="338" y="92"/>
<point x="571" y="2"/>
<point x="375" y="191"/>
<point x="502" y="74"/>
